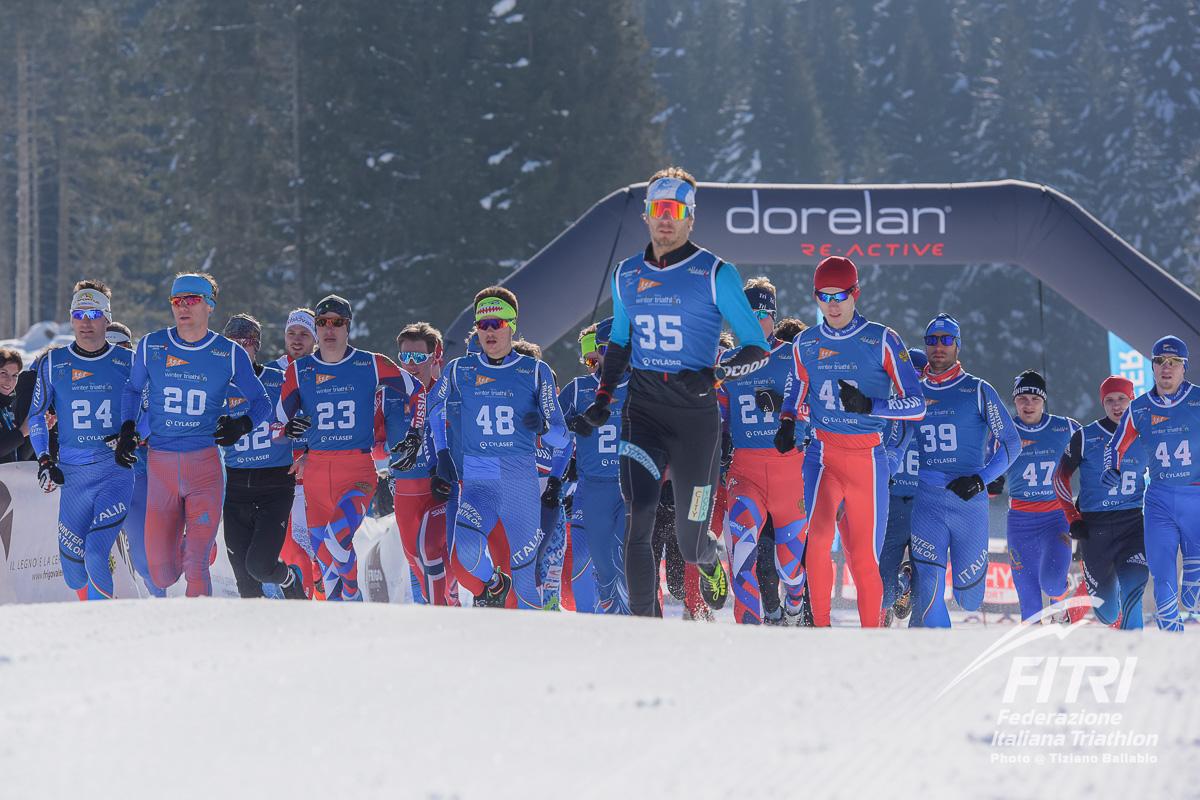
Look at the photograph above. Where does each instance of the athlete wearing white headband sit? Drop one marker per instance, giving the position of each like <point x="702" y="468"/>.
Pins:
<point x="86" y="302"/>
<point x="302" y="318"/>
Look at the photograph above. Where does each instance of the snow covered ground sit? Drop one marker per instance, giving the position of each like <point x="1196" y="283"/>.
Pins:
<point x="238" y="698"/>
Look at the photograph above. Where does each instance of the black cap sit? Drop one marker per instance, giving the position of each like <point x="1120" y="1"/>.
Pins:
<point x="334" y="305"/>
<point x="243" y="326"/>
<point x="1029" y="382"/>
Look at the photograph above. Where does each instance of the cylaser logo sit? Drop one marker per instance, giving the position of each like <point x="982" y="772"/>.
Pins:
<point x="825" y="226"/>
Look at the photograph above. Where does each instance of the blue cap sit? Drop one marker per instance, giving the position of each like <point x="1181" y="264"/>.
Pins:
<point x="918" y="358"/>
<point x="192" y="283"/>
<point x="1170" y="346"/>
<point x="672" y="189"/>
<point x="473" y="344"/>
<point x="604" y="330"/>
<point x="761" y="299"/>
<point x="944" y="324"/>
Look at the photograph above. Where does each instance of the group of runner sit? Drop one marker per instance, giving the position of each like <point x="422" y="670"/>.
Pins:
<point x="526" y="493"/>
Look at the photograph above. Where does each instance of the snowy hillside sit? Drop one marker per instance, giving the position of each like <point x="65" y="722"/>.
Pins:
<point x="229" y="698"/>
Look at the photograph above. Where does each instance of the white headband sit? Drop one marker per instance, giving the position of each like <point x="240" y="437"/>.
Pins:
<point x="88" y="299"/>
<point x="304" y="320"/>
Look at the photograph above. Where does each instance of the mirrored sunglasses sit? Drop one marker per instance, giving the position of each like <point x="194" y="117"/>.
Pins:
<point x="667" y="209"/>
<point x="334" y="322"/>
<point x="834" y="297"/>
<point x="413" y="358"/>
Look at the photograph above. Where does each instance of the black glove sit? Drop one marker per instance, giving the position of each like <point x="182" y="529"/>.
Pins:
<point x="966" y="486"/>
<point x="1079" y="529"/>
<point x="597" y="413"/>
<point x="50" y="475"/>
<point x="568" y="504"/>
<point x="441" y="488"/>
<point x="580" y="426"/>
<point x="445" y="467"/>
<point x="853" y="400"/>
<point x="295" y="427"/>
<point x="996" y="487"/>
<point x="572" y="470"/>
<point x="406" y="451"/>
<point x="697" y="381"/>
<point x="550" y="495"/>
<point x="534" y="421"/>
<point x="127" y="442"/>
<point x="726" y="450"/>
<point x="768" y="400"/>
<point x="230" y="429"/>
<point x="785" y="437"/>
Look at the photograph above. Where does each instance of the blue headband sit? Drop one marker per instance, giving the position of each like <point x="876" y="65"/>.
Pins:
<point x="194" y="284"/>
<point x="672" y="189"/>
<point x="604" y="330"/>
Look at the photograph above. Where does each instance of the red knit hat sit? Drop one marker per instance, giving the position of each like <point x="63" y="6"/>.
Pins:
<point x="838" y="272"/>
<point x="1115" y="383"/>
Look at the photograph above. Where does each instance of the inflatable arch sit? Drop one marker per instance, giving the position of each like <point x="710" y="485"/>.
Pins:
<point x="1013" y="222"/>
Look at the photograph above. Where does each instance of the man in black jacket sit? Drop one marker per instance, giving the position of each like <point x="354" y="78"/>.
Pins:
<point x="14" y="428"/>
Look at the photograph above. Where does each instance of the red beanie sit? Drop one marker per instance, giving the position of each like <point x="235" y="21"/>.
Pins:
<point x="837" y="272"/>
<point x="1115" y="383"/>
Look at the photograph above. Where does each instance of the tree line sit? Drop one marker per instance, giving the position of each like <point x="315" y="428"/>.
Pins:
<point x="404" y="154"/>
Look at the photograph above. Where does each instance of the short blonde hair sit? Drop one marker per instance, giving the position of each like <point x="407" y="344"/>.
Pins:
<point x="673" y="172"/>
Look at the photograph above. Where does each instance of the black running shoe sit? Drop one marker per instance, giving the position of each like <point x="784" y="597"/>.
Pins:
<point x="714" y="585"/>
<point x="902" y="607"/>
<point x="774" y="617"/>
<point x="294" y="588"/>
<point x="799" y="614"/>
<point x="496" y="592"/>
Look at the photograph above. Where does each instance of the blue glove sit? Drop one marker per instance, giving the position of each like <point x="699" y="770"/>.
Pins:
<point x="534" y="421"/>
<point x="445" y="467"/>
<point x="1111" y="478"/>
